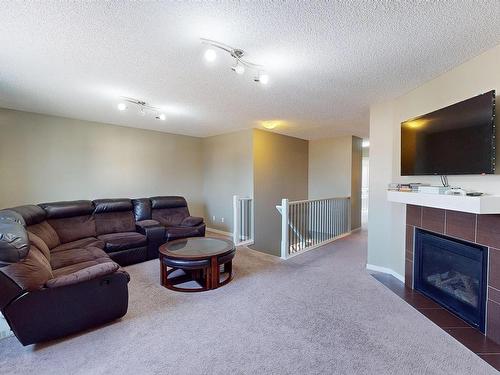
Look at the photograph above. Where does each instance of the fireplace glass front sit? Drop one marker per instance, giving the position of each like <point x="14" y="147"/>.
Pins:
<point x="453" y="273"/>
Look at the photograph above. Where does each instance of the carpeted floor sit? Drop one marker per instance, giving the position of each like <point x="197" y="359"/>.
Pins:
<point x="318" y="313"/>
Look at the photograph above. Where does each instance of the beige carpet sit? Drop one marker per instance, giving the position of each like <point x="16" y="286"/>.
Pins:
<point x="319" y="313"/>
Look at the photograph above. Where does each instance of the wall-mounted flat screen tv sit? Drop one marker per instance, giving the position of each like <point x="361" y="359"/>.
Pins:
<point x="459" y="139"/>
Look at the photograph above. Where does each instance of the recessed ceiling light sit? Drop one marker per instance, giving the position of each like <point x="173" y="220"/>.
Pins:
<point x="264" y="79"/>
<point x="162" y="117"/>
<point x="210" y="55"/>
<point x="122" y="106"/>
<point x="270" y="124"/>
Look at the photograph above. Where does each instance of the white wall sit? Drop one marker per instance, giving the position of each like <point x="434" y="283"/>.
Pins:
<point x="386" y="220"/>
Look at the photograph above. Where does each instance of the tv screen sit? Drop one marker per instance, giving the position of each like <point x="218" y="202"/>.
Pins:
<point x="459" y="139"/>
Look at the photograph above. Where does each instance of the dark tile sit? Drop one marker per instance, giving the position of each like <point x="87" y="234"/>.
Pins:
<point x="433" y="219"/>
<point x="413" y="215"/>
<point x="488" y="230"/>
<point x="395" y="285"/>
<point x="493" y="325"/>
<point x="461" y="225"/>
<point x="492" y="359"/>
<point x="494" y="294"/>
<point x="444" y="319"/>
<point x="419" y="301"/>
<point x="409" y="273"/>
<point x="474" y="340"/>
<point x="494" y="268"/>
<point x="409" y="239"/>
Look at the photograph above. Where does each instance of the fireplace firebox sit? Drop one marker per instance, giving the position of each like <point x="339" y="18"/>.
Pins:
<point x="453" y="273"/>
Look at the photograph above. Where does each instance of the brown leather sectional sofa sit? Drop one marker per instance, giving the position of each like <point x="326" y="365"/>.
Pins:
<point x="64" y="259"/>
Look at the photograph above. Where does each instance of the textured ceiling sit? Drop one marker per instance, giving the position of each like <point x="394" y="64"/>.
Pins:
<point x="327" y="60"/>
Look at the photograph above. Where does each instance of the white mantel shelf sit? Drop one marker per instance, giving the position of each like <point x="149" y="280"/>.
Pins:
<point x="486" y="204"/>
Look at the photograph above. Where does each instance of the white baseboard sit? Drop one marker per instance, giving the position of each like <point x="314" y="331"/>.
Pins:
<point x="218" y="231"/>
<point x="372" y="267"/>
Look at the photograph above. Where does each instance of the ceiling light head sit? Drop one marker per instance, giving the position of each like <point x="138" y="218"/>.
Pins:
<point x="210" y="55"/>
<point x="238" y="68"/>
<point x="122" y="106"/>
<point x="161" y="117"/>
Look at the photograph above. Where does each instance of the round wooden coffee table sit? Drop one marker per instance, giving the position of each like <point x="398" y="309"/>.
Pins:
<point x="196" y="259"/>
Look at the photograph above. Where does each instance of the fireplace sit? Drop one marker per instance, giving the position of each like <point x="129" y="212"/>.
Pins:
<point x="453" y="273"/>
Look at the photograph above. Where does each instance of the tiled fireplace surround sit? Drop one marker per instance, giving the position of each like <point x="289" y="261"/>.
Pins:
<point x="480" y="229"/>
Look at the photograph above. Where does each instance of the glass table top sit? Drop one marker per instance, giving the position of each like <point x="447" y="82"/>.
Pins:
<point x="198" y="247"/>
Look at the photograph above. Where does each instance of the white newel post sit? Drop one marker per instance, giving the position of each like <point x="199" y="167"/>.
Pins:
<point x="236" y="219"/>
<point x="284" y="229"/>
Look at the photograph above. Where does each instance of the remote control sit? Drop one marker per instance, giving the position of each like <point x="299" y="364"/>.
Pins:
<point x="474" y="194"/>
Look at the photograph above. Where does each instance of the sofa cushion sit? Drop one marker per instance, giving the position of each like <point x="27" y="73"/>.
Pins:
<point x="114" y="222"/>
<point x="122" y="241"/>
<point x="79" y="266"/>
<point x="69" y="257"/>
<point x="142" y="209"/>
<point x="74" y="228"/>
<point x="112" y="205"/>
<point x="85" y="274"/>
<point x="46" y="233"/>
<point x="147" y="223"/>
<point x="38" y="242"/>
<point x="170" y="216"/>
<point x="31" y="213"/>
<point x="30" y="273"/>
<point x="82" y="243"/>
<point x="167" y="202"/>
<point x="58" y="210"/>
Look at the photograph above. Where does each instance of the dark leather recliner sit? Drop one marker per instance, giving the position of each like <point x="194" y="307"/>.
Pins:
<point x="46" y="294"/>
<point x="171" y="212"/>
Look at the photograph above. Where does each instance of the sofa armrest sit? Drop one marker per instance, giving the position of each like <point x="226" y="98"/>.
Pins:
<point x="147" y="223"/>
<point x="155" y="235"/>
<point x="191" y="221"/>
<point x="86" y="274"/>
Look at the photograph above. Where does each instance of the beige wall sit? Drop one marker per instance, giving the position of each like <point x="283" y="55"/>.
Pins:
<point x="356" y="174"/>
<point x="330" y="167"/>
<point x="280" y="171"/>
<point x="227" y="171"/>
<point x="335" y="171"/>
<point x="46" y="158"/>
<point x="386" y="220"/>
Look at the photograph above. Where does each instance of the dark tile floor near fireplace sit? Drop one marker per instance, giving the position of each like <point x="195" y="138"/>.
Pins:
<point x="468" y="336"/>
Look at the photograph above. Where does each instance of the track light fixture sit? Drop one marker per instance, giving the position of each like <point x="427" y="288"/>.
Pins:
<point x="240" y="65"/>
<point x="142" y="106"/>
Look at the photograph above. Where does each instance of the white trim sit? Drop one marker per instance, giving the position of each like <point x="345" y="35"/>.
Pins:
<point x="245" y="243"/>
<point x="218" y="231"/>
<point x="373" y="267"/>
